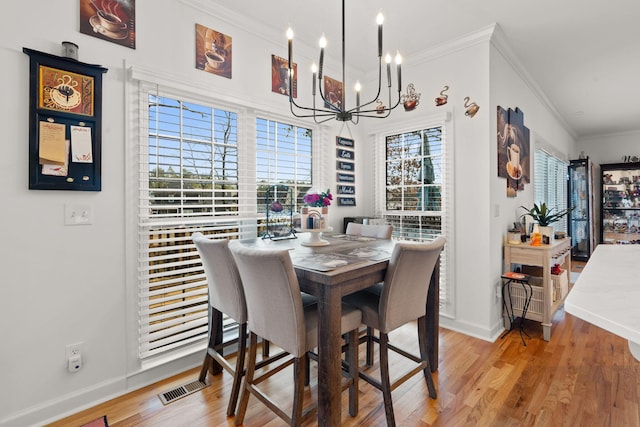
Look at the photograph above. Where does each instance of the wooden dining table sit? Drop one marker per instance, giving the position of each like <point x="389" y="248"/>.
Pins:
<point x="344" y="265"/>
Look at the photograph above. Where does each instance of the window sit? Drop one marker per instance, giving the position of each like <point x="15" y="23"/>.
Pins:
<point x="413" y="188"/>
<point x="416" y="187"/>
<point x="550" y="184"/>
<point x="196" y="175"/>
<point x="283" y="157"/>
<point x="189" y="182"/>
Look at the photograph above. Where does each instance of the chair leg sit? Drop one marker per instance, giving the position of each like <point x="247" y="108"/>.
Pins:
<point x="265" y="348"/>
<point x="369" y="360"/>
<point x="385" y="379"/>
<point x="352" y="360"/>
<point x="238" y="374"/>
<point x="307" y="371"/>
<point x="248" y="379"/>
<point x="298" y="394"/>
<point x="424" y="355"/>
<point x="209" y="363"/>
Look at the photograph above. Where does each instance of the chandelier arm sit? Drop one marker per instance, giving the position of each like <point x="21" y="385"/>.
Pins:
<point x="330" y="105"/>
<point x="375" y="98"/>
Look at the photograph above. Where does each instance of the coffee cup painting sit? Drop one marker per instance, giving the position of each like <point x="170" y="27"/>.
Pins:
<point x="513" y="150"/>
<point x="213" y="51"/>
<point x="111" y="20"/>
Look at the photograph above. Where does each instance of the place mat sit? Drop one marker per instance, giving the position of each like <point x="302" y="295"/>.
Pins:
<point x="100" y="422"/>
<point x="351" y="237"/>
<point x="371" y="253"/>
<point x="324" y="262"/>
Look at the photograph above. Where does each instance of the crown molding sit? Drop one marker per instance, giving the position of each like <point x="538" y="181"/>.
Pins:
<point x="500" y="43"/>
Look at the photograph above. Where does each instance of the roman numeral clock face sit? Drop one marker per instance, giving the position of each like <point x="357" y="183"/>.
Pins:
<point x="62" y="90"/>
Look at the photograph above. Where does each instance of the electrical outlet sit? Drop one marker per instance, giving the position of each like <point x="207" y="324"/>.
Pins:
<point x="74" y="350"/>
<point x="74" y="357"/>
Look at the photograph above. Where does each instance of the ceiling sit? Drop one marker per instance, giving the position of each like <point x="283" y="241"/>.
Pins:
<point x="584" y="55"/>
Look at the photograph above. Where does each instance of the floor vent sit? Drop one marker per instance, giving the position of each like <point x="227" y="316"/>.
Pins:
<point x="181" y="391"/>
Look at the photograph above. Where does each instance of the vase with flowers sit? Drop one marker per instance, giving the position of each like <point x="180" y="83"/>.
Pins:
<point x="315" y="213"/>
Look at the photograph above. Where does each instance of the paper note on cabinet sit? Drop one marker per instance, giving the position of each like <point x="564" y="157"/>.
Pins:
<point x="81" y="145"/>
<point x="58" y="169"/>
<point x="52" y="147"/>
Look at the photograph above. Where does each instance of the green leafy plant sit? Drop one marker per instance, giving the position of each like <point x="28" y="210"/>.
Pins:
<point x="543" y="215"/>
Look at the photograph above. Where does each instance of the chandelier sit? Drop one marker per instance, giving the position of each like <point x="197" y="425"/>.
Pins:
<point x="334" y="106"/>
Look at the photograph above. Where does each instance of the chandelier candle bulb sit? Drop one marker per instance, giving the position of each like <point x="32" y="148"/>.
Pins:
<point x="290" y="39"/>
<point x="380" y="20"/>
<point x="399" y="63"/>
<point x="323" y="44"/>
<point x="314" y="72"/>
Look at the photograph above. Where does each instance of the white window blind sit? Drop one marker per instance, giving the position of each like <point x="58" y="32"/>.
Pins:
<point x="284" y="158"/>
<point x="193" y="176"/>
<point x="188" y="182"/>
<point x="550" y="184"/>
<point x="417" y="189"/>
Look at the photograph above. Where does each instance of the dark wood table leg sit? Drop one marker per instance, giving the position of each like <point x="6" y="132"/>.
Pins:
<point x="329" y="355"/>
<point x="433" y="317"/>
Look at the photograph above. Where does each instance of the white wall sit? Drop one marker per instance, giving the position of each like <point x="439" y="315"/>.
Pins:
<point x="63" y="285"/>
<point x="609" y="148"/>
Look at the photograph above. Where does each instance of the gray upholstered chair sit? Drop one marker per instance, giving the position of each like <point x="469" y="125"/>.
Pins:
<point x="379" y="231"/>
<point x="401" y="298"/>
<point x="226" y="295"/>
<point x="276" y="313"/>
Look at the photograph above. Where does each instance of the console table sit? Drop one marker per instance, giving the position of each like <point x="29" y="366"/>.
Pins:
<point x="545" y="256"/>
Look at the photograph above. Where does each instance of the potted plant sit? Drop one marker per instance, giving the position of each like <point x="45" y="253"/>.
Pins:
<point x="545" y="217"/>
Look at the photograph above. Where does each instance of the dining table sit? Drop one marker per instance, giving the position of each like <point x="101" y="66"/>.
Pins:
<point x="340" y="265"/>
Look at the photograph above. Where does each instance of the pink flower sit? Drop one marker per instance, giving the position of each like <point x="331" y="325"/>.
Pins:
<point x="318" y="199"/>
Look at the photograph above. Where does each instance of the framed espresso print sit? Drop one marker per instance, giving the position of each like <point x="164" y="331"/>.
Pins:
<point x="65" y="123"/>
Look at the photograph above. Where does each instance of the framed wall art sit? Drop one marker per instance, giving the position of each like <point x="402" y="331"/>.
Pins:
<point x="111" y="20"/>
<point x="280" y="76"/>
<point x="65" y="123"/>
<point x="213" y="51"/>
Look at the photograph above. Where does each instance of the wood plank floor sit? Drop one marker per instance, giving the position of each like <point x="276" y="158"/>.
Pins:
<point x="584" y="376"/>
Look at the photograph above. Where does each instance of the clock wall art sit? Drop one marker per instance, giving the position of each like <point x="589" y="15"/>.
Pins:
<point x="65" y="123"/>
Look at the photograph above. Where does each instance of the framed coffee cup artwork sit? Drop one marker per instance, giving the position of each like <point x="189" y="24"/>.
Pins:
<point x="65" y="123"/>
<point x="213" y="51"/>
<point x="110" y="20"/>
<point x="513" y="149"/>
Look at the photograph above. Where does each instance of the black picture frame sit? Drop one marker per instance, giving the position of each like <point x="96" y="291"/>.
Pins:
<point x="87" y="113"/>
<point x="345" y="142"/>
<point x="349" y="190"/>
<point x="345" y="166"/>
<point x="343" y="154"/>
<point x="345" y="177"/>
<point x="346" y="201"/>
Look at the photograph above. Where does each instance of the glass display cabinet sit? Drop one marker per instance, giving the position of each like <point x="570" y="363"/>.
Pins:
<point x="581" y="218"/>
<point x="620" y="213"/>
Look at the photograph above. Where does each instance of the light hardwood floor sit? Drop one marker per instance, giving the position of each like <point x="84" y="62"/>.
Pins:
<point x="584" y="376"/>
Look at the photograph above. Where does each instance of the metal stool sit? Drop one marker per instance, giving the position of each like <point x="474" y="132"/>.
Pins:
<point x="523" y="279"/>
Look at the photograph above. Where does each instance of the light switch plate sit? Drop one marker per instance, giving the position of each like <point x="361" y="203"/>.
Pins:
<point x="78" y="214"/>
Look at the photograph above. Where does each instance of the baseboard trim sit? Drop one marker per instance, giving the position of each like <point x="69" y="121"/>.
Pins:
<point x="72" y="403"/>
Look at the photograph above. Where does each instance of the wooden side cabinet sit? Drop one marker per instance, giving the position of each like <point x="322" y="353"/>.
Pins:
<point x="545" y="300"/>
<point x="65" y="123"/>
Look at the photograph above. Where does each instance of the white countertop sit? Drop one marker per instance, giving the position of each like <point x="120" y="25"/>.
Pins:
<point x="607" y="293"/>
